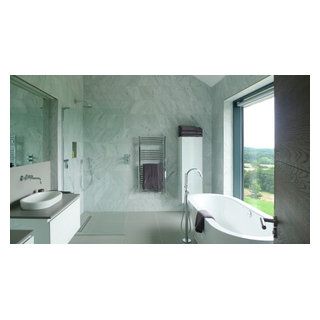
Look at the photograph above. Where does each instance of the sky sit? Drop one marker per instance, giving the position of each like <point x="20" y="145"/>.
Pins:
<point x="259" y="125"/>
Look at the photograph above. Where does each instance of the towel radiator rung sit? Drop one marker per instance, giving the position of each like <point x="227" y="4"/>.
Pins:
<point x="151" y="150"/>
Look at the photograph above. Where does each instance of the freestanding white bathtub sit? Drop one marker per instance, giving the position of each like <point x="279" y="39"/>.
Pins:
<point x="235" y="221"/>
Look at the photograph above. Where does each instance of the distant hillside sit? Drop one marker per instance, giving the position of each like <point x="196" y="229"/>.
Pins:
<point x="261" y="156"/>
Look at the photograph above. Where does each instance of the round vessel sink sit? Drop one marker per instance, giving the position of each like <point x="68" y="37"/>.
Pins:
<point x="41" y="200"/>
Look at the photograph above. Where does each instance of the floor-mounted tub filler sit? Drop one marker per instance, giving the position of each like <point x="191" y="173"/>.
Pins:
<point x="234" y="220"/>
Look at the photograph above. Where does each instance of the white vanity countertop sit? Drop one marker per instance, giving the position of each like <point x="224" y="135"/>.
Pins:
<point x="49" y="213"/>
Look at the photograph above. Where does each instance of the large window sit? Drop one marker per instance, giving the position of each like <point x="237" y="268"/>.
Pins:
<point x="254" y="149"/>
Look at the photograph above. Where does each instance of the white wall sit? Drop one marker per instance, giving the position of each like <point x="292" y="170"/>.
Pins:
<point x="20" y="189"/>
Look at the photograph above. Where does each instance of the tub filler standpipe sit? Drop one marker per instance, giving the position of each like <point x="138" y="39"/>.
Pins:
<point x="186" y="213"/>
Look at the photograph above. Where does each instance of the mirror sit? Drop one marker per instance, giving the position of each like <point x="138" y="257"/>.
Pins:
<point x="29" y="124"/>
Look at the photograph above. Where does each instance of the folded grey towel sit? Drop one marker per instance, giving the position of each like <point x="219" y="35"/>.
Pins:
<point x="153" y="177"/>
<point x="201" y="215"/>
<point x="189" y="131"/>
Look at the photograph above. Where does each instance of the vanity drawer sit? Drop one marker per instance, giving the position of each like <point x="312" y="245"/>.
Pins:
<point x="64" y="226"/>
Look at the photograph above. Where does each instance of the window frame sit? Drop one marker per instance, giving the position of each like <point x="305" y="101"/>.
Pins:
<point x="238" y="141"/>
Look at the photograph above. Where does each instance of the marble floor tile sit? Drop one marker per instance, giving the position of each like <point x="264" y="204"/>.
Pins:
<point x="130" y="227"/>
<point x="97" y="239"/>
<point x="104" y="224"/>
<point x="169" y="225"/>
<point x="142" y="227"/>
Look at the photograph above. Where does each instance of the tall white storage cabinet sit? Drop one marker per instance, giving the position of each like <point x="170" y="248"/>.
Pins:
<point x="190" y="156"/>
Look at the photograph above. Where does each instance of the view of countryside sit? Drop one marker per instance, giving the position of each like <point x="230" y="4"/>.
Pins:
<point x="258" y="176"/>
<point x="258" y="155"/>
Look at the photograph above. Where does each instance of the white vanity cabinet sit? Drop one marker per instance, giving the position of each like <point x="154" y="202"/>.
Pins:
<point x="64" y="226"/>
<point x="59" y="228"/>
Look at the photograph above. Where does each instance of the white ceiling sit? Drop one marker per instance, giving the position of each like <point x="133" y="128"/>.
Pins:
<point x="210" y="80"/>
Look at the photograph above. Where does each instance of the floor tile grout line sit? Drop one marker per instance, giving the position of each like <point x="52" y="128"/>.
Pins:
<point x="84" y="224"/>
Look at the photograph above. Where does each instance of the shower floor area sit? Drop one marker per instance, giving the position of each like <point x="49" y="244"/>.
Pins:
<point x="129" y="227"/>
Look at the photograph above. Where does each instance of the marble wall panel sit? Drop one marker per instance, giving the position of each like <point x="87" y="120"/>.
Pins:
<point x="124" y="108"/>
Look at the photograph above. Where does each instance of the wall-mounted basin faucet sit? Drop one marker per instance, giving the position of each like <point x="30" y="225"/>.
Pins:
<point x="30" y="177"/>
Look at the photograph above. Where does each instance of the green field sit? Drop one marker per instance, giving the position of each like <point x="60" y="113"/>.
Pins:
<point x="258" y="178"/>
<point x="263" y="205"/>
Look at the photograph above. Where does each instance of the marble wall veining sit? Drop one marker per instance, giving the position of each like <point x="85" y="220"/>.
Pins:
<point x="124" y="108"/>
<point x="227" y="87"/>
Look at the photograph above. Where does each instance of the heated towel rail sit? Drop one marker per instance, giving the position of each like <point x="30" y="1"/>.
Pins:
<point x="152" y="150"/>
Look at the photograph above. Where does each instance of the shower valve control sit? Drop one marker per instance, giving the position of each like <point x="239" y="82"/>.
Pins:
<point x="66" y="163"/>
<point x="126" y="158"/>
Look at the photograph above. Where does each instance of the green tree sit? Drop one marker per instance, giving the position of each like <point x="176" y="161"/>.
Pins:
<point x="265" y="179"/>
<point x="255" y="190"/>
<point x="247" y="179"/>
<point x="265" y="160"/>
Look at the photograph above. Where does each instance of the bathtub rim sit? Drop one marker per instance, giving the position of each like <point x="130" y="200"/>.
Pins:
<point x="217" y="226"/>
